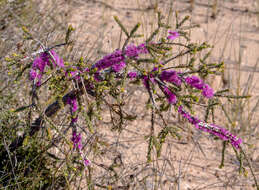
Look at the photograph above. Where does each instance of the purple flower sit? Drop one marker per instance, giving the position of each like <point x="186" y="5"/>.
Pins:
<point x="86" y="162"/>
<point x="172" y="35"/>
<point x="170" y="96"/>
<point x="110" y="60"/>
<point x="59" y="61"/>
<point x="116" y="60"/>
<point x="132" y="51"/>
<point x="39" y="63"/>
<point x="118" y="66"/>
<point x="146" y="81"/>
<point x="46" y="58"/>
<point x="211" y="128"/>
<point x="155" y="69"/>
<point x="171" y="76"/>
<point x="132" y="75"/>
<point x="142" y="49"/>
<point x="39" y="76"/>
<point x="187" y="116"/>
<point x="207" y="91"/>
<point x="195" y="82"/>
<point x="86" y="70"/>
<point x="97" y="77"/>
<point x="76" y="139"/>
<point x="74" y="119"/>
<point x="33" y="74"/>
<point x="74" y="73"/>
<point x="38" y="83"/>
<point x="73" y="103"/>
<point x="221" y="133"/>
<point x="77" y="144"/>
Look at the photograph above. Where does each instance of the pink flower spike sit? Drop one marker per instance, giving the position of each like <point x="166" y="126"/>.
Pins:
<point x="198" y="83"/>
<point x="132" y="51"/>
<point x="86" y="162"/>
<point x="207" y="91"/>
<point x="172" y="35"/>
<point x="86" y="70"/>
<point x="110" y="60"/>
<point x="76" y="139"/>
<point x="170" y="96"/>
<point x="73" y="104"/>
<point x="142" y="49"/>
<point x="132" y="75"/>
<point x="39" y="63"/>
<point x="171" y="76"/>
<point x="220" y="132"/>
<point x="38" y="83"/>
<point x="146" y="81"/>
<point x="39" y="76"/>
<point x="117" y="67"/>
<point x="33" y="74"/>
<point x="195" y="82"/>
<point x="74" y="119"/>
<point x="59" y="61"/>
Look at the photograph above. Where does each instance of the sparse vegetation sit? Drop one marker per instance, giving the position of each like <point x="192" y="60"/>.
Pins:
<point x="116" y="108"/>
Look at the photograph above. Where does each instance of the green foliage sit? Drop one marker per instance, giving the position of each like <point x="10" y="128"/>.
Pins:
<point x="29" y="166"/>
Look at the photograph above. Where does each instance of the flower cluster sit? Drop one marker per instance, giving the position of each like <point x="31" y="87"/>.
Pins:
<point x="173" y="35"/>
<point x="39" y="64"/>
<point x="118" y="66"/>
<point x="77" y="144"/>
<point x="135" y="51"/>
<point x="116" y="60"/>
<point x="73" y="104"/>
<point x="170" y="96"/>
<point x="72" y="101"/>
<point x="211" y="128"/>
<point x="198" y="83"/>
<point x="132" y="75"/>
<point x="109" y="60"/>
<point x="171" y="76"/>
<point x="76" y="137"/>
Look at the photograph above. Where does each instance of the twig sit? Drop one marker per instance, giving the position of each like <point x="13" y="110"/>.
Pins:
<point x="8" y="152"/>
<point x="250" y="167"/>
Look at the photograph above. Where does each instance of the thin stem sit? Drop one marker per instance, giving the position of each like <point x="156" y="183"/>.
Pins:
<point x="250" y="167"/>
